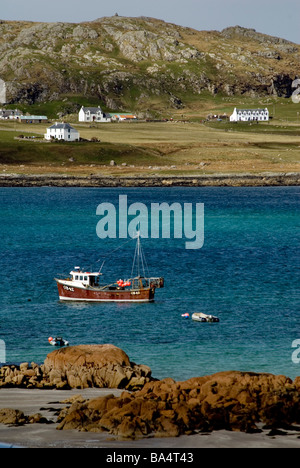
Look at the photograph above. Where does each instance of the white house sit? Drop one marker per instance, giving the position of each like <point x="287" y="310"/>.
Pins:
<point x="8" y="114"/>
<point x="93" y="114"/>
<point x="248" y="115"/>
<point x="62" y="131"/>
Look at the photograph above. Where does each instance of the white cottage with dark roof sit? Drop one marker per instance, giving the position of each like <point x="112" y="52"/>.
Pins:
<point x="62" y="131"/>
<point x="248" y="115"/>
<point x="93" y="114"/>
<point x="9" y="114"/>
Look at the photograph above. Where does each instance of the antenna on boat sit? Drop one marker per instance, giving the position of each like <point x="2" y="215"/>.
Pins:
<point x="101" y="266"/>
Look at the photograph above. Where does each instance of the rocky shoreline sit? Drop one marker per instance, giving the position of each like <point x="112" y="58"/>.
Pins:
<point x="212" y="180"/>
<point x="85" y="366"/>
<point x="233" y="401"/>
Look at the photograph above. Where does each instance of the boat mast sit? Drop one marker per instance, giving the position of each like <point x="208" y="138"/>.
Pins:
<point x="139" y="261"/>
<point x="138" y="252"/>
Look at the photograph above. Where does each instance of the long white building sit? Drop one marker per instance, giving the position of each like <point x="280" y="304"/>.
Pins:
<point x="248" y="115"/>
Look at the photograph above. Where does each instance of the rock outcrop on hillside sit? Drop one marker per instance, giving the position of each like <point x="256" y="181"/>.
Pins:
<point x="132" y="61"/>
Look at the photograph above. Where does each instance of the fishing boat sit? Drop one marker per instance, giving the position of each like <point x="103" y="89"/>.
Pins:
<point x="87" y="286"/>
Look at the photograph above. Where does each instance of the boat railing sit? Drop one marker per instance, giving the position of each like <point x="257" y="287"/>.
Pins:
<point x="136" y="283"/>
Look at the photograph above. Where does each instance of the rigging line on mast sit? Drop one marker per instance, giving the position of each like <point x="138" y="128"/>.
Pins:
<point x="108" y="255"/>
<point x="136" y="259"/>
<point x="144" y="261"/>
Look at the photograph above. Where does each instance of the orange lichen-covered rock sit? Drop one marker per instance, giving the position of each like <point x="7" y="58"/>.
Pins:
<point x="227" y="400"/>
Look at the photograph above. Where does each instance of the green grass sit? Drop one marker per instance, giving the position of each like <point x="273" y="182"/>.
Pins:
<point x="281" y="109"/>
<point x="195" y="106"/>
<point x="38" y="153"/>
<point x="253" y="127"/>
<point x="69" y="104"/>
<point x="220" y="146"/>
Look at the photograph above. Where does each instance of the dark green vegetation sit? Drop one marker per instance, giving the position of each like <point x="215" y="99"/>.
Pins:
<point x="32" y="152"/>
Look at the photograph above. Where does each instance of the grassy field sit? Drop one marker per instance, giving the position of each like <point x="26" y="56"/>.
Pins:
<point x="172" y="147"/>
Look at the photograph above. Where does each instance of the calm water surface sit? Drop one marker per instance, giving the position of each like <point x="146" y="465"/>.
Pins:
<point x="247" y="273"/>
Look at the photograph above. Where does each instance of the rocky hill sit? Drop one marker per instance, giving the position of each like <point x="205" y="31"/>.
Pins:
<point x="140" y="63"/>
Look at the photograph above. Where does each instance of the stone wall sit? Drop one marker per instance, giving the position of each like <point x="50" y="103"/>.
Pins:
<point x="213" y="180"/>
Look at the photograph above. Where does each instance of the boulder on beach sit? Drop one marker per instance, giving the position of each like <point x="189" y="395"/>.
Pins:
<point x="12" y="417"/>
<point x="83" y="366"/>
<point x="104" y="366"/>
<point x="234" y="401"/>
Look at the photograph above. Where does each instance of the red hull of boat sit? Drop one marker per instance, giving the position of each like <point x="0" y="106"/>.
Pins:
<point x="67" y="293"/>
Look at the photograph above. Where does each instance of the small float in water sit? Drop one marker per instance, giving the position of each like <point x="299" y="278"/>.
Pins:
<point x="58" y="341"/>
<point x="186" y="316"/>
<point x="200" y="317"/>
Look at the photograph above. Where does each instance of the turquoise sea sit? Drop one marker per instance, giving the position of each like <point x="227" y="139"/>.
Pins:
<point x="246" y="273"/>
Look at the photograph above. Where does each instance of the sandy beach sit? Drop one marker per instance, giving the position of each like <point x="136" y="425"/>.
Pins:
<point x="47" y="402"/>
